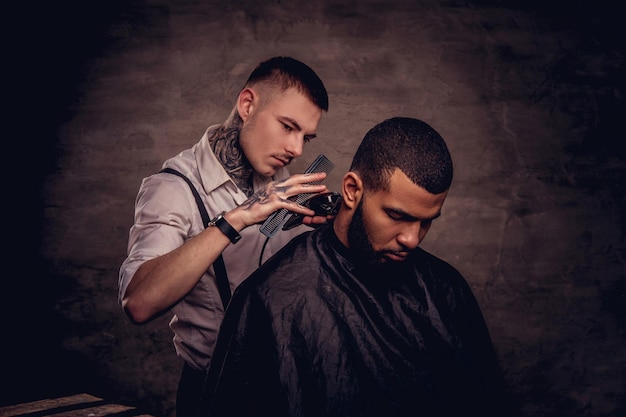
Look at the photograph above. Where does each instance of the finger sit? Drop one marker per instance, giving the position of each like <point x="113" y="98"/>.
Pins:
<point x="314" y="176"/>
<point x="295" y="207"/>
<point x="302" y="179"/>
<point x="308" y="188"/>
<point x="289" y="192"/>
<point x="316" y="220"/>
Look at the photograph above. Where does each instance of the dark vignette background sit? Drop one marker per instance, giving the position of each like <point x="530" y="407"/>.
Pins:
<point x="529" y="95"/>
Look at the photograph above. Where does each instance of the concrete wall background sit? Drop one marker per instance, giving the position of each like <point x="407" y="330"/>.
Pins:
<point x="528" y="95"/>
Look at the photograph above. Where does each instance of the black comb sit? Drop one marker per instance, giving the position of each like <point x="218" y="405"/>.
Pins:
<point x="274" y="223"/>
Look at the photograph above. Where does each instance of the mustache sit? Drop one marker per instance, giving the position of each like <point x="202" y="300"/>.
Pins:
<point x="285" y="158"/>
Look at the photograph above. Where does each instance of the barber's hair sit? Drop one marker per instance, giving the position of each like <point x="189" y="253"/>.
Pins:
<point x="407" y="144"/>
<point x="284" y="72"/>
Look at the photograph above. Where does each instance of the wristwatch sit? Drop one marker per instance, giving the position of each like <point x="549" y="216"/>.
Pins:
<point x="221" y="223"/>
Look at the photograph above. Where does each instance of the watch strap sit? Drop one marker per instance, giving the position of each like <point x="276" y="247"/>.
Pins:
<point x="221" y="223"/>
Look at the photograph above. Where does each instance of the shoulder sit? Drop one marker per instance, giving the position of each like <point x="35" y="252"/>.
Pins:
<point x="446" y="283"/>
<point x="440" y="271"/>
<point x="286" y="273"/>
<point x="432" y="261"/>
<point x="168" y="189"/>
<point x="295" y="259"/>
<point x="171" y="183"/>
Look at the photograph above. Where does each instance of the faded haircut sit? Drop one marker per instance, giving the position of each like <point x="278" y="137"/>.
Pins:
<point x="283" y="72"/>
<point x="408" y="144"/>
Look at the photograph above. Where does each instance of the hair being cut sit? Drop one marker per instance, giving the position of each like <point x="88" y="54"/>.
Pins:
<point x="408" y="144"/>
<point x="284" y="72"/>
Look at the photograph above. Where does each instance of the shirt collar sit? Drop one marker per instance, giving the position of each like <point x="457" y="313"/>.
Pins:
<point x="212" y="173"/>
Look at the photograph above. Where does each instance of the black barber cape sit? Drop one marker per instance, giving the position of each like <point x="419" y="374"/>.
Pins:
<point x="316" y="333"/>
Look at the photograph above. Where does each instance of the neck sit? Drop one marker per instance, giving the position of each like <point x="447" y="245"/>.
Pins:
<point x="340" y="226"/>
<point x="224" y="142"/>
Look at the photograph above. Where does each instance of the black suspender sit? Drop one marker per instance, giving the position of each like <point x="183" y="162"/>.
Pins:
<point x="220" y="269"/>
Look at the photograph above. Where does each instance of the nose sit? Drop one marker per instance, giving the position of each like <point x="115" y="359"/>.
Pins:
<point x="411" y="236"/>
<point x="295" y="146"/>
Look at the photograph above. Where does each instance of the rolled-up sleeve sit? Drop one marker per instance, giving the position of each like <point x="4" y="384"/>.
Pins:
<point x="162" y="223"/>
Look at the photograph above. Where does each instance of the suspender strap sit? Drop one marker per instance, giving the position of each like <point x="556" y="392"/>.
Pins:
<point x="220" y="268"/>
<point x="222" y="280"/>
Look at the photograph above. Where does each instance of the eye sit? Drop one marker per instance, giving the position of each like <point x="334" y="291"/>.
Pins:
<point x="394" y="215"/>
<point x="287" y="127"/>
<point x="308" y="139"/>
<point x="427" y="223"/>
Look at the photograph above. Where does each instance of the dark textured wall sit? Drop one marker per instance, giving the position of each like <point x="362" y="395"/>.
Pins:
<point x="529" y="96"/>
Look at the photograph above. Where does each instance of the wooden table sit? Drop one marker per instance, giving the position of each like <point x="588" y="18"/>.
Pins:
<point x="79" y="405"/>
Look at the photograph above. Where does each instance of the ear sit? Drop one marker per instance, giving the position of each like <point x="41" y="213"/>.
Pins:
<point x="246" y="102"/>
<point x="352" y="189"/>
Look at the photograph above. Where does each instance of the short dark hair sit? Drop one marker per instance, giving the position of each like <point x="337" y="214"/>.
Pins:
<point x="408" y="144"/>
<point x="286" y="72"/>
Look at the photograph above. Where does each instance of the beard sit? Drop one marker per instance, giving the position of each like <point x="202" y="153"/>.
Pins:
<point x="361" y="246"/>
<point x="359" y="240"/>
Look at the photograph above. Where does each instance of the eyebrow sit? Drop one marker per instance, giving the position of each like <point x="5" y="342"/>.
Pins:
<point x="408" y="216"/>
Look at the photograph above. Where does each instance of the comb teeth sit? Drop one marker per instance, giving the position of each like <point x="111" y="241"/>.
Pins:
<point x="275" y="222"/>
<point x="321" y="164"/>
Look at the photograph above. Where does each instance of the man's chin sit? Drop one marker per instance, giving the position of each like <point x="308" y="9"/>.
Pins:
<point x="268" y="171"/>
<point x="382" y="258"/>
